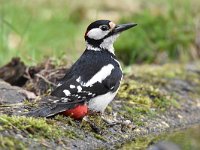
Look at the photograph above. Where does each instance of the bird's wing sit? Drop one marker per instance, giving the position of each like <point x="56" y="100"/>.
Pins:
<point x="70" y="94"/>
<point x="75" y="89"/>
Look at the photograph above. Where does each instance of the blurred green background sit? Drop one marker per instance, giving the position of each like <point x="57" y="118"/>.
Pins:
<point x="34" y="29"/>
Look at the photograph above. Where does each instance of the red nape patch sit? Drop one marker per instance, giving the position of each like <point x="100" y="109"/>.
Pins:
<point x="77" y="112"/>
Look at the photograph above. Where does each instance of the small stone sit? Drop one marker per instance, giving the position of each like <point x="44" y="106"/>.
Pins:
<point x="127" y="122"/>
<point x="179" y="116"/>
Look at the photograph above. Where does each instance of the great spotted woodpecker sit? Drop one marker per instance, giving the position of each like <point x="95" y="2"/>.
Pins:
<point x="93" y="80"/>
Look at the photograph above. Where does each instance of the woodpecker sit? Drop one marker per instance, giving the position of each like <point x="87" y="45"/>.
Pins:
<point x="93" y="80"/>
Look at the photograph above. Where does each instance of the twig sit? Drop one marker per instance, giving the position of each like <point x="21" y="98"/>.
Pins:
<point x="45" y="79"/>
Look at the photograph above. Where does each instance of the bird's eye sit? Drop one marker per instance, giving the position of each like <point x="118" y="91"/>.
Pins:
<point x="104" y="27"/>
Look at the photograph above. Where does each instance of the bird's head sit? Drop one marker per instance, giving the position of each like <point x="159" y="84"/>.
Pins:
<point x="101" y="34"/>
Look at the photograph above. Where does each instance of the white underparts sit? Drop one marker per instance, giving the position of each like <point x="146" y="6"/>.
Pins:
<point x="100" y="102"/>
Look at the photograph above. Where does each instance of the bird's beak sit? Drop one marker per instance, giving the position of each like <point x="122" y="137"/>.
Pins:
<point x="123" y="27"/>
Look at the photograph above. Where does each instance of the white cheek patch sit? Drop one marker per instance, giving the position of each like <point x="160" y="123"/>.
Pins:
<point x="97" y="33"/>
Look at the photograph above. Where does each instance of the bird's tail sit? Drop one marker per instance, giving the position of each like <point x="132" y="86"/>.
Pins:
<point x="52" y="106"/>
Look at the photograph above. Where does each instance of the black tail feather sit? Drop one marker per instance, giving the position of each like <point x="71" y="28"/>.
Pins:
<point x="51" y="108"/>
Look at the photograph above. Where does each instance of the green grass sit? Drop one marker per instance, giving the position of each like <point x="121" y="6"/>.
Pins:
<point x="34" y="29"/>
<point x="161" y="35"/>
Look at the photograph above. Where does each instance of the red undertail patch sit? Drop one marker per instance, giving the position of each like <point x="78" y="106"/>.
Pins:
<point x="77" y="112"/>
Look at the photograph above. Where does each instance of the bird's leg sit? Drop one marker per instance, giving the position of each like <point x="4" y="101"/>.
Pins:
<point x="93" y="123"/>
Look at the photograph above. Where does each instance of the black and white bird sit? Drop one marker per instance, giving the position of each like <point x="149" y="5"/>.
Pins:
<point x="93" y="80"/>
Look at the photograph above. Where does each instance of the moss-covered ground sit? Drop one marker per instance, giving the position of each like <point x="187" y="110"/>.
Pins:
<point x="151" y="99"/>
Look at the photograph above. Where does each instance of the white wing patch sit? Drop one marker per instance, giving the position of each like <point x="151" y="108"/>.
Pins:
<point x="89" y="93"/>
<point x="72" y="86"/>
<point x="100" y="75"/>
<point x="97" y="33"/>
<point x="78" y="79"/>
<point x="67" y="92"/>
<point x="79" y="88"/>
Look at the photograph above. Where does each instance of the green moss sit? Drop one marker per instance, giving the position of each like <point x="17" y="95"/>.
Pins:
<point x="66" y="120"/>
<point x="143" y="94"/>
<point x="11" y="143"/>
<point x="167" y="71"/>
<point x="93" y="121"/>
<point x="160" y="74"/>
<point x="30" y="104"/>
<point x="142" y="99"/>
<point x="146" y="90"/>
<point x="35" y="127"/>
<point x="97" y="136"/>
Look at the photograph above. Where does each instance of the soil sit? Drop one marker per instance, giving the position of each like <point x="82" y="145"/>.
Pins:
<point x="153" y="99"/>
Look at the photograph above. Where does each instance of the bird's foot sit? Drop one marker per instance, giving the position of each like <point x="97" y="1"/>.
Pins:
<point x="97" y="122"/>
<point x="113" y="120"/>
<point x="110" y="120"/>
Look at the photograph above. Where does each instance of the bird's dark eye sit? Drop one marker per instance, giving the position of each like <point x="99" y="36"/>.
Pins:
<point x="104" y="27"/>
